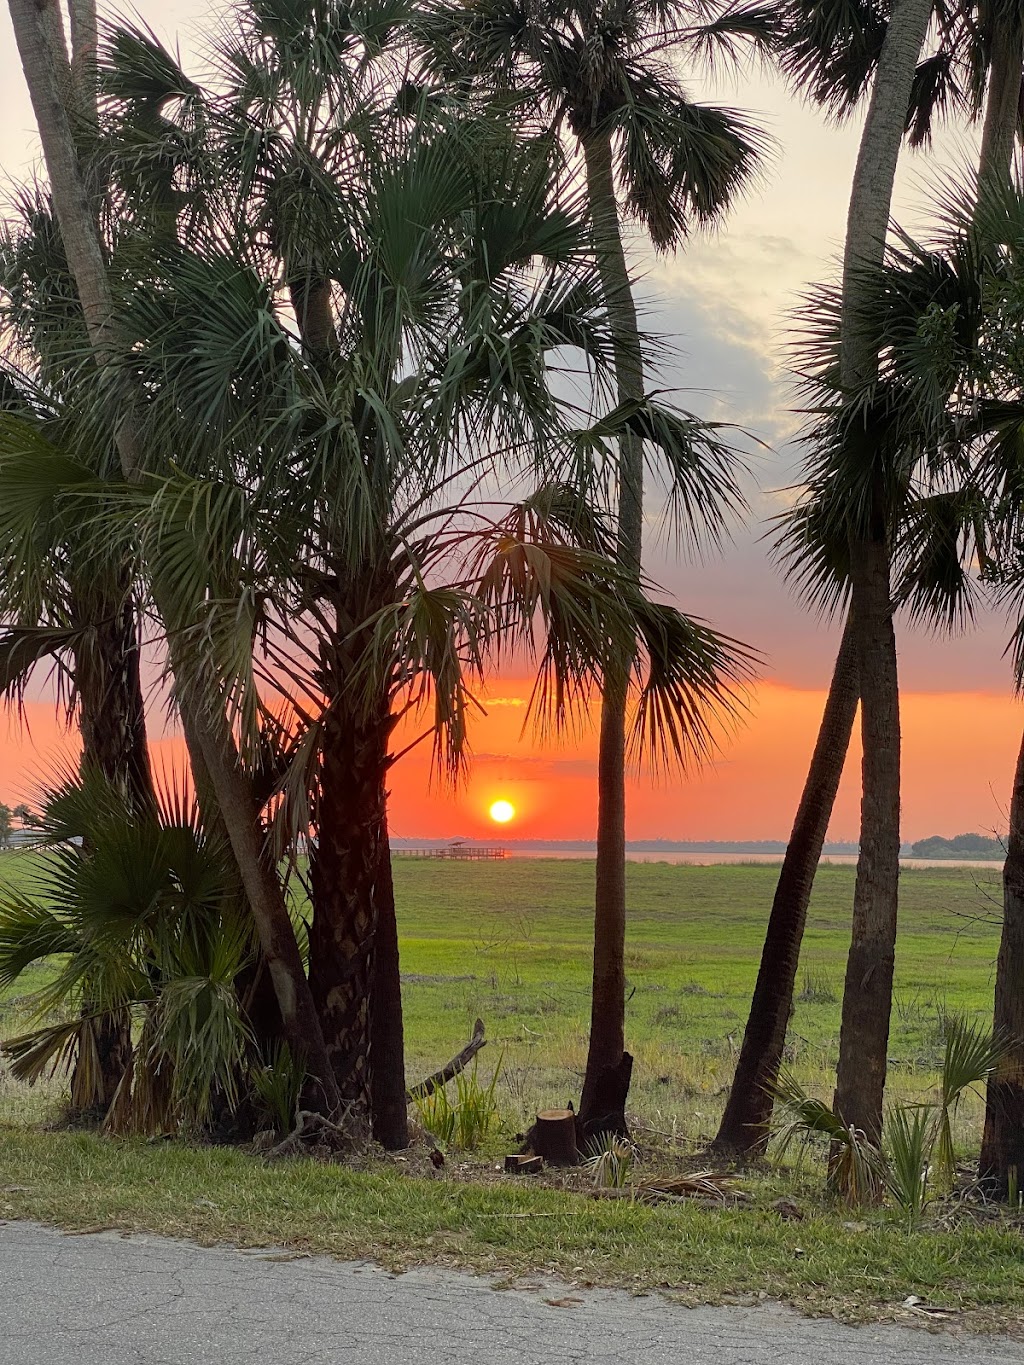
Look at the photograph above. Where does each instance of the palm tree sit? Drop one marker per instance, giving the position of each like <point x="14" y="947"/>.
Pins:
<point x="39" y="33"/>
<point x="957" y="295"/>
<point x="68" y="603"/>
<point x="833" y="54"/>
<point x="141" y="912"/>
<point x="599" y="79"/>
<point x="400" y="238"/>
<point x="434" y="238"/>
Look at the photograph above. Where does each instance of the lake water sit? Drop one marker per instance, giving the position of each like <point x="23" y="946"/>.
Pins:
<point x="715" y="859"/>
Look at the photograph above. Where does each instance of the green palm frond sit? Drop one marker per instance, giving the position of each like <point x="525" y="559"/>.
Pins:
<point x="23" y="647"/>
<point x="682" y="162"/>
<point x="697" y="470"/>
<point x="971" y="1053"/>
<point x="934" y="572"/>
<point x="30" y="932"/>
<point x="832" y="50"/>
<point x="909" y="1135"/>
<point x="735" y="33"/>
<point x="689" y="682"/>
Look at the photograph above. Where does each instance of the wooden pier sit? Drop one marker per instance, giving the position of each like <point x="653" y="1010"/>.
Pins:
<point x="459" y="852"/>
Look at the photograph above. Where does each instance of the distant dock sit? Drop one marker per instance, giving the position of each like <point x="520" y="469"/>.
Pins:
<point x="454" y="852"/>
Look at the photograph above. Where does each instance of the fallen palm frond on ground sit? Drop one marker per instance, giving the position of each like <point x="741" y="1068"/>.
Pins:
<point x="699" y="1185"/>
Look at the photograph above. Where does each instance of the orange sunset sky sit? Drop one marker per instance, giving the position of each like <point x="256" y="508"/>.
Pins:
<point x="959" y="750"/>
<point x="721" y="308"/>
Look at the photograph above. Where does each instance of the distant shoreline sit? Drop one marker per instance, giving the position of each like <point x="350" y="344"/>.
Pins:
<point x="730" y="850"/>
<point x="760" y="846"/>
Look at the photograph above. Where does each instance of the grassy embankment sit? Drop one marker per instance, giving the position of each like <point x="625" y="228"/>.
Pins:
<point x="510" y="942"/>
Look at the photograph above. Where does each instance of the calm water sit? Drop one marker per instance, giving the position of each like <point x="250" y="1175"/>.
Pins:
<point x="714" y="859"/>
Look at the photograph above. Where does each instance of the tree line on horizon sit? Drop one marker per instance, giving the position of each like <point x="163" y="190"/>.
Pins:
<point x="323" y="379"/>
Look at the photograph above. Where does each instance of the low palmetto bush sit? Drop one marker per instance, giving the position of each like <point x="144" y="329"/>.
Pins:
<point x="917" y="1157"/>
<point x="610" y="1159"/>
<point x="909" y="1139"/>
<point x="277" y="1085"/>
<point x="143" y="916"/>
<point x="856" y="1168"/>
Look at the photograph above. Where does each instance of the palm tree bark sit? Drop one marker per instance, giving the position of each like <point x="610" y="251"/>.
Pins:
<point x="745" y="1123"/>
<point x="39" y="33"/>
<point x="388" y="1096"/>
<point x="1002" y="1147"/>
<point x="349" y="874"/>
<point x="367" y="1034"/>
<point x="1002" y="104"/>
<point x="608" y="998"/>
<point x="1002" y="1151"/>
<point x="112" y="712"/>
<point x="112" y="720"/>
<point x="867" y="997"/>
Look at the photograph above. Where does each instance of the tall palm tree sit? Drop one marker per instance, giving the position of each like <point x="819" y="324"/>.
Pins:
<point x="39" y="33"/>
<point x="600" y="79"/>
<point x="428" y="257"/>
<point x="832" y="52"/>
<point x="947" y="324"/>
<point x="67" y="604"/>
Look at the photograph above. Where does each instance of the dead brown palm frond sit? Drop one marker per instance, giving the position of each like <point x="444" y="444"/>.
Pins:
<point x="698" y="1184"/>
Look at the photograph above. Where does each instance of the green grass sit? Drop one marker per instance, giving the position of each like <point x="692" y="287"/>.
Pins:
<point x="828" y="1263"/>
<point x="510" y="942"/>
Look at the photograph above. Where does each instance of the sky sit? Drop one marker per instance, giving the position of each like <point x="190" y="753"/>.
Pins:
<point x="720" y="307"/>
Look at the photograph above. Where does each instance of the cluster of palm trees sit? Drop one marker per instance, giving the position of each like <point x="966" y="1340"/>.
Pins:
<point x="322" y="377"/>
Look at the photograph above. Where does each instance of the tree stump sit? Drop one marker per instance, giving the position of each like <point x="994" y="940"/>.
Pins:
<point x="553" y="1137"/>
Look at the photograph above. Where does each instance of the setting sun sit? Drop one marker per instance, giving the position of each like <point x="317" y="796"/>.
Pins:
<point x="502" y="812"/>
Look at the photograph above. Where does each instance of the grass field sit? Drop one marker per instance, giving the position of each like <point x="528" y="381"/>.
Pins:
<point x="510" y="942"/>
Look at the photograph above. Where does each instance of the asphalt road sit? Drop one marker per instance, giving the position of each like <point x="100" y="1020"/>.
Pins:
<point x="103" y="1299"/>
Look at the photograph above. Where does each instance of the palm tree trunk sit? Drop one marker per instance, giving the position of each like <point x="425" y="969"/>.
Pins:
<point x="387" y="1036"/>
<point x="867" y="998"/>
<point x="111" y="705"/>
<point x="84" y="28"/>
<point x="1002" y="104"/>
<point x="349" y="872"/>
<point x="39" y="33"/>
<point x="867" y="995"/>
<point x="112" y="720"/>
<point x="368" y="1033"/>
<point x="608" y="998"/>
<point x="745" y="1123"/>
<point x="1002" y="1147"/>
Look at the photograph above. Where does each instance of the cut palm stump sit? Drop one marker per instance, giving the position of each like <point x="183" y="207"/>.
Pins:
<point x="553" y="1137"/>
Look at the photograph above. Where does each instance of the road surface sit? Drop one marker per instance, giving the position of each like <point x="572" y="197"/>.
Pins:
<point x="104" y="1299"/>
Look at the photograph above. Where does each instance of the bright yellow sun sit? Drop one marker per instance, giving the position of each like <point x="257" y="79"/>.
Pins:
<point x="502" y="812"/>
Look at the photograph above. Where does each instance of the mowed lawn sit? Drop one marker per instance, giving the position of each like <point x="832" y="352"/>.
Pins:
<point x="510" y="942"/>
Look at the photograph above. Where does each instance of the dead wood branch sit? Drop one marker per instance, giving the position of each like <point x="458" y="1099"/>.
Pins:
<point x="458" y="1063"/>
<point x="310" y="1126"/>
